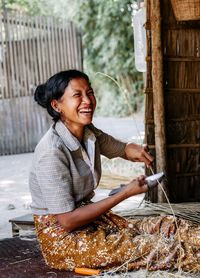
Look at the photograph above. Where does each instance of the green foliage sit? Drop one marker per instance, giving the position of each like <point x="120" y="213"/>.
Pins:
<point x="115" y="101"/>
<point x="32" y="7"/>
<point x="107" y="35"/>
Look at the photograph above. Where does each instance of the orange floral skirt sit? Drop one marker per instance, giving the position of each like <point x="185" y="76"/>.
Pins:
<point x="112" y="241"/>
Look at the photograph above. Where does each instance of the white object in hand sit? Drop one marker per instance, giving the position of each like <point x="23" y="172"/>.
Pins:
<point x="153" y="180"/>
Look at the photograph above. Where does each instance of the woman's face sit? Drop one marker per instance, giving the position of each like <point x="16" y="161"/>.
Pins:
<point x="78" y="103"/>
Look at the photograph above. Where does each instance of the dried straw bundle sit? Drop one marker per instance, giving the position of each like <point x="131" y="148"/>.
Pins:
<point x="188" y="211"/>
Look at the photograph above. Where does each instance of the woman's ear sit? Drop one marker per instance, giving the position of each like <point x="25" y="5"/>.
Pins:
<point x="55" y="106"/>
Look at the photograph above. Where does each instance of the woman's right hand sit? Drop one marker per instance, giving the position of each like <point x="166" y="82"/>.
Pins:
<point x="136" y="186"/>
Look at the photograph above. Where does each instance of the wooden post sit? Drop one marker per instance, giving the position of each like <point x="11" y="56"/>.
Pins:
<point x="158" y="94"/>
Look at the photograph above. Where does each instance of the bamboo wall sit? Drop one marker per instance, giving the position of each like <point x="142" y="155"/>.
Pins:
<point x="31" y="50"/>
<point x="181" y="66"/>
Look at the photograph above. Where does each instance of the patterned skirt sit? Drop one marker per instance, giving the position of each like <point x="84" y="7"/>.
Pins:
<point x="112" y="241"/>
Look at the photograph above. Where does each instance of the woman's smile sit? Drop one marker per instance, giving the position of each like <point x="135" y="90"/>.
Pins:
<point x="87" y="112"/>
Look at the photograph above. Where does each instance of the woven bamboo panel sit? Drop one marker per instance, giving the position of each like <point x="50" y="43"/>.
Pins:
<point x="186" y="9"/>
<point x="181" y="56"/>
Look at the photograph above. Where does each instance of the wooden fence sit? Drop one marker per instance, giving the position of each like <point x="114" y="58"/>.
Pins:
<point x="31" y="50"/>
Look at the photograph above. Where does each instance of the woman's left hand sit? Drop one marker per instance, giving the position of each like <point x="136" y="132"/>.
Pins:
<point x="137" y="153"/>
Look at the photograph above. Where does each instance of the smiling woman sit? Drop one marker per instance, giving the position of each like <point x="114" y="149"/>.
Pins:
<point x="74" y="232"/>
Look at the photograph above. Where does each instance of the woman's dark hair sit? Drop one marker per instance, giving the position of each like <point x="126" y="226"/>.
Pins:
<point x="54" y="88"/>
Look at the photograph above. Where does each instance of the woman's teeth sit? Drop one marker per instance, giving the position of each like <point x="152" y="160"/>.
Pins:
<point x="88" y="110"/>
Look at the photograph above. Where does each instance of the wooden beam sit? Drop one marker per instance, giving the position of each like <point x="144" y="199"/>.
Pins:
<point x="176" y="90"/>
<point x="175" y="146"/>
<point x="177" y="26"/>
<point x="177" y="120"/>
<point x="177" y="59"/>
<point x="158" y="95"/>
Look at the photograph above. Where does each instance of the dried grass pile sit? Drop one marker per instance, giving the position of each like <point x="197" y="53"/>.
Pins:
<point x="188" y="211"/>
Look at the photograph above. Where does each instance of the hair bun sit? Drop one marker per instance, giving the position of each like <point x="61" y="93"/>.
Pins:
<point x="40" y="96"/>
